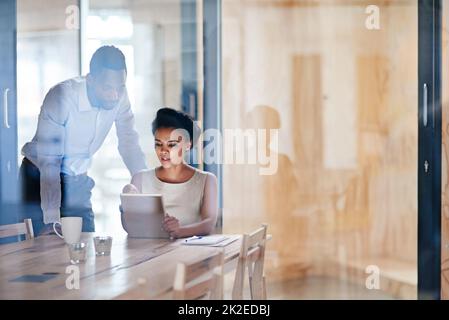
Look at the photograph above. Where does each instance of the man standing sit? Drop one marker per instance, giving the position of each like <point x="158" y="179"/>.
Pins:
<point x="74" y="120"/>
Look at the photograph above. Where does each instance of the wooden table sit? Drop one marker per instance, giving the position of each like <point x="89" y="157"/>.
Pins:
<point x="132" y="262"/>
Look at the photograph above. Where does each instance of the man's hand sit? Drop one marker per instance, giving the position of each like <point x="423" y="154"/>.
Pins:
<point x="48" y="229"/>
<point x="171" y="225"/>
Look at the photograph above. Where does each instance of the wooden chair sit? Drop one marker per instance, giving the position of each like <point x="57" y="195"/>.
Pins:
<point x="252" y="256"/>
<point x="201" y="278"/>
<point x="17" y="229"/>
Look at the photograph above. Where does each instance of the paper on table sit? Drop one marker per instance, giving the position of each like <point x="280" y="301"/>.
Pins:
<point x="212" y="243"/>
<point x="206" y="240"/>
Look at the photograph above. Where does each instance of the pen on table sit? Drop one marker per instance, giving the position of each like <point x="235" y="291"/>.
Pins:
<point x="193" y="238"/>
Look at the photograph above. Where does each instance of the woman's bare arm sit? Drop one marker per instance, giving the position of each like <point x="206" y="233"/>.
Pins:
<point x="208" y="212"/>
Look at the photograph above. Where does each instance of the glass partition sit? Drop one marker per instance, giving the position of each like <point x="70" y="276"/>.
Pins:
<point x="324" y="94"/>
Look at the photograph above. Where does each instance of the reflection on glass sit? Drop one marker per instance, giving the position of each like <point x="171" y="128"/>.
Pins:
<point x="342" y="207"/>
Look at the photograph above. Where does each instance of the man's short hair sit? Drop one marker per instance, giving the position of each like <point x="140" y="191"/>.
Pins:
<point x="107" y="57"/>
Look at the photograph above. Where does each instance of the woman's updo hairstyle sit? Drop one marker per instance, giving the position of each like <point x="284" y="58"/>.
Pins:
<point x="171" y="118"/>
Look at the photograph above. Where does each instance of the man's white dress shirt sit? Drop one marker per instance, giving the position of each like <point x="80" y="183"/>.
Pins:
<point x="69" y="132"/>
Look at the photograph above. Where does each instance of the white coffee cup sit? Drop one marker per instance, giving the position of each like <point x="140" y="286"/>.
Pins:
<point x="71" y="229"/>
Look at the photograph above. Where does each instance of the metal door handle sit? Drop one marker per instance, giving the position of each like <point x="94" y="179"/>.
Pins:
<point x="424" y="104"/>
<point x="5" y="109"/>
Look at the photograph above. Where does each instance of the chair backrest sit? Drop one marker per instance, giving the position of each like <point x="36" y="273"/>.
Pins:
<point x="201" y="278"/>
<point x="17" y="229"/>
<point x="252" y="256"/>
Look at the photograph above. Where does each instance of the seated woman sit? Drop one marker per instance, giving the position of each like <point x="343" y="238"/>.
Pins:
<point x="189" y="195"/>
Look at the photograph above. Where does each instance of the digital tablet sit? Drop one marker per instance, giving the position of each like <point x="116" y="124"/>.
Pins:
<point x="143" y="215"/>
